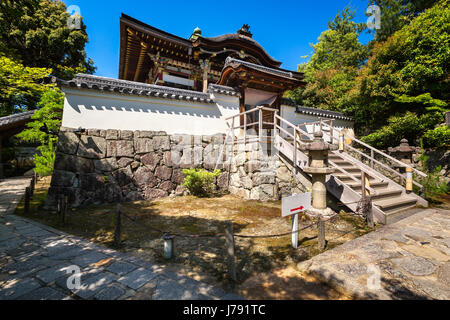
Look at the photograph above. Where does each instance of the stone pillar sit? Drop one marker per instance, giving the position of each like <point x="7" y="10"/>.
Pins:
<point x="319" y="169"/>
<point x="404" y="153"/>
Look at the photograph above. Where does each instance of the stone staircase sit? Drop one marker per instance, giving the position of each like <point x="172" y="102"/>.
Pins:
<point x="390" y="199"/>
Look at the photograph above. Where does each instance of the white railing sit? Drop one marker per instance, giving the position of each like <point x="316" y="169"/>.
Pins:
<point x="373" y="152"/>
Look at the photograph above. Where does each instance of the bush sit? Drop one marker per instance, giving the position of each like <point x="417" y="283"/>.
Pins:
<point x="409" y="126"/>
<point x="434" y="185"/>
<point x="437" y="138"/>
<point x="45" y="161"/>
<point x="200" y="182"/>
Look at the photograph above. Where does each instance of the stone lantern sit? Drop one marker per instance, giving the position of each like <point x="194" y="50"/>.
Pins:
<point x="318" y="168"/>
<point x="404" y="153"/>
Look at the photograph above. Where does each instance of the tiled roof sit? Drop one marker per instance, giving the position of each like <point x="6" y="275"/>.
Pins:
<point x="19" y="117"/>
<point x="316" y="112"/>
<point x="85" y="81"/>
<point x="277" y="72"/>
<point x="215" y="88"/>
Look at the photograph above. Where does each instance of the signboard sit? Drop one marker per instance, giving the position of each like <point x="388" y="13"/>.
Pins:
<point x="295" y="204"/>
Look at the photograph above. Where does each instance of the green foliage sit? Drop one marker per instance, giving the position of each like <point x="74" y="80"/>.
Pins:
<point x="433" y="184"/>
<point x="45" y="161"/>
<point x="20" y="86"/>
<point x="44" y="129"/>
<point x="331" y="71"/>
<point x="36" y="32"/>
<point x="200" y="182"/>
<point x="409" y="126"/>
<point x="395" y="14"/>
<point x="407" y="72"/>
<point x="437" y="138"/>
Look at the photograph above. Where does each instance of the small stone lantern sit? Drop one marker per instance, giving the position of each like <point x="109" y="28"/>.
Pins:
<point x="404" y="153"/>
<point x="318" y="168"/>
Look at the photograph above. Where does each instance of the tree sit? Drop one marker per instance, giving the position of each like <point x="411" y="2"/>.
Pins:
<point x="395" y="14"/>
<point x="44" y="129"/>
<point x="36" y="32"/>
<point x="409" y="72"/>
<point x="331" y="71"/>
<point x="20" y="86"/>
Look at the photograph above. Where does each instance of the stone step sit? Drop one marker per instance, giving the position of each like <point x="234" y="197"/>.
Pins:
<point x="374" y="185"/>
<point x="350" y="168"/>
<point x="386" y="193"/>
<point x="394" y="204"/>
<point x="341" y="176"/>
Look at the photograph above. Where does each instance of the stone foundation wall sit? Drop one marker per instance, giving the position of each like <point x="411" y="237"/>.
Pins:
<point x="105" y="166"/>
<point x="258" y="173"/>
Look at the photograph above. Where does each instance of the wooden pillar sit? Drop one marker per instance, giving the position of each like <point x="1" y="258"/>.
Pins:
<point x="1" y="163"/>
<point x="229" y="239"/>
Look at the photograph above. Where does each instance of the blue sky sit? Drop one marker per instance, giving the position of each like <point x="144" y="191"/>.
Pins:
<point x="284" y="28"/>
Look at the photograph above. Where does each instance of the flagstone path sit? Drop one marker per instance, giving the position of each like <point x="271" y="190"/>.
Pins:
<point x="412" y="258"/>
<point x="36" y="263"/>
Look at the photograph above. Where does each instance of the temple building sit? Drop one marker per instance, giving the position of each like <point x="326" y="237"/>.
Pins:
<point x="129" y="138"/>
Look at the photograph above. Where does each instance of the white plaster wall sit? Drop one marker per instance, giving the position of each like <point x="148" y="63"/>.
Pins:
<point x="90" y="109"/>
<point x="288" y="113"/>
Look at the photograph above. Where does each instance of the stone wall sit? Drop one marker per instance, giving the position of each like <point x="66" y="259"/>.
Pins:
<point x="258" y="173"/>
<point x="104" y="166"/>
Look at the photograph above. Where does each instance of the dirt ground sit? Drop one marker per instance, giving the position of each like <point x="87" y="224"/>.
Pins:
<point x="266" y="266"/>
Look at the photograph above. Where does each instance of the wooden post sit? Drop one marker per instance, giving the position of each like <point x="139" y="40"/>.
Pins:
<point x="321" y="234"/>
<point x="32" y="186"/>
<point x="372" y="156"/>
<point x="369" y="212"/>
<point x="295" y="228"/>
<point x="64" y="209"/>
<point x="232" y="137"/>
<point x="260" y="124"/>
<point x="118" y="227"/>
<point x="294" y="156"/>
<point x="363" y="187"/>
<point x="331" y="132"/>
<point x="245" y="129"/>
<point x="229" y="240"/>
<point x="58" y="205"/>
<point x="27" y="200"/>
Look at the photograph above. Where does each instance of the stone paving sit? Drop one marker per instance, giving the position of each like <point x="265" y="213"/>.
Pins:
<point x="411" y="256"/>
<point x="36" y="263"/>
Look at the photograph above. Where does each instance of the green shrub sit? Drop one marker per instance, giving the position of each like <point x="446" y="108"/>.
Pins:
<point x="437" y="138"/>
<point x="44" y="161"/>
<point x="433" y="184"/>
<point x="408" y="126"/>
<point x="200" y="182"/>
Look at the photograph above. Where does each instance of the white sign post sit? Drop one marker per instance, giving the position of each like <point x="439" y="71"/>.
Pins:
<point x="292" y="206"/>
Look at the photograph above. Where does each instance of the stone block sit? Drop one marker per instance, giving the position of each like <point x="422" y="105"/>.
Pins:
<point x="91" y="181"/>
<point x="63" y="179"/>
<point x="164" y="173"/>
<point x="263" y="178"/>
<point x="178" y="176"/>
<point x="137" y="278"/>
<point x="120" y="148"/>
<point x="124" y="162"/>
<point x="143" y="145"/>
<point x="68" y="142"/>
<point x="161" y="143"/>
<point x="123" y="176"/>
<point x="151" y="194"/>
<point x="112" y="134"/>
<point x="126" y="135"/>
<point x="92" y="147"/>
<point x="151" y="160"/>
<point x="106" y="165"/>
<point x="144" y="177"/>
<point x="167" y="186"/>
